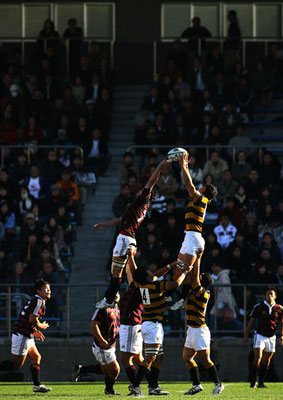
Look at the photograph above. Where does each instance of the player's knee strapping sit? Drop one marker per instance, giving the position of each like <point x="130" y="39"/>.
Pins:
<point x="161" y="351"/>
<point x="151" y="351"/>
<point x="119" y="264"/>
<point x="181" y="264"/>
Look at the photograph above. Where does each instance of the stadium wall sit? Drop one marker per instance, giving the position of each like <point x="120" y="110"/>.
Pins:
<point x="60" y="355"/>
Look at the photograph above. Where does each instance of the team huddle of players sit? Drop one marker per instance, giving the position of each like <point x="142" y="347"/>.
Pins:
<point x="138" y="317"/>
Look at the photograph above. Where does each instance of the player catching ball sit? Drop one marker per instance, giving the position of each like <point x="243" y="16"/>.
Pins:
<point x="193" y="244"/>
<point x="25" y="330"/>
<point x="129" y="224"/>
<point x="268" y="314"/>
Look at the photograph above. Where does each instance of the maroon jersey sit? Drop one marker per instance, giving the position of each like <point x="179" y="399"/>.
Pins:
<point x="135" y="214"/>
<point x="109" y="324"/>
<point x="131" y="307"/>
<point x="268" y="317"/>
<point x="35" y="306"/>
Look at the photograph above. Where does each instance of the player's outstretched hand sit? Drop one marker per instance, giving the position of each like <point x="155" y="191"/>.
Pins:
<point x="183" y="159"/>
<point x="44" y="325"/>
<point x="131" y="252"/>
<point x="39" y="335"/>
<point x="96" y="227"/>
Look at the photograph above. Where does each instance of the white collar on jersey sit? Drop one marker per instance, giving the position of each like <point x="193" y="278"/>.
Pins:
<point x="39" y="297"/>
<point x="269" y="306"/>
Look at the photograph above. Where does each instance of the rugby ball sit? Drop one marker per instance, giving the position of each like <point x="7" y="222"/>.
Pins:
<point x="173" y="154"/>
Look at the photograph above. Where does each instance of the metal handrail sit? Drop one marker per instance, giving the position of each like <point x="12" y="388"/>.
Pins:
<point x="99" y="285"/>
<point x="36" y="146"/>
<point x="208" y="147"/>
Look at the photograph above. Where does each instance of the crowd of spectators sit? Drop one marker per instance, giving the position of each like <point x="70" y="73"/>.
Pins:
<point x="199" y="101"/>
<point x="43" y="190"/>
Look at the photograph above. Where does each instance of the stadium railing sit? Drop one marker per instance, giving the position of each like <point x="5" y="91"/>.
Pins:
<point x="158" y="48"/>
<point x="246" y="295"/>
<point x="260" y="147"/>
<point x="30" y="149"/>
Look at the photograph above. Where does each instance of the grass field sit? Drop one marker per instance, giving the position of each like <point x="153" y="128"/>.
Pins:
<point x="77" y="391"/>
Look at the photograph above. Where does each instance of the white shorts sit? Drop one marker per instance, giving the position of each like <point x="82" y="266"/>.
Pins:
<point x="130" y="338"/>
<point x="21" y="344"/>
<point x="152" y="332"/>
<point x="122" y="245"/>
<point x="267" y="344"/>
<point x="193" y="243"/>
<point x="198" y="338"/>
<point x="104" y="356"/>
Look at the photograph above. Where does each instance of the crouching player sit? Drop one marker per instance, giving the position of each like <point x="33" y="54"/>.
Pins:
<point x="25" y="330"/>
<point x="198" y="335"/>
<point x="268" y="314"/>
<point x="153" y="299"/>
<point x="105" y="329"/>
<point x="129" y="224"/>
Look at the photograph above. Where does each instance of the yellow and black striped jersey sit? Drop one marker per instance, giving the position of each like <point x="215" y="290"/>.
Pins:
<point x="196" y="306"/>
<point x="195" y="212"/>
<point x="153" y="299"/>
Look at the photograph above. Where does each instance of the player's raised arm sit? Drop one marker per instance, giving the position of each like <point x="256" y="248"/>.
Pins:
<point x="156" y="173"/>
<point x="183" y="161"/>
<point x="164" y="270"/>
<point x="111" y="222"/>
<point x="281" y="331"/>
<point x="248" y="329"/>
<point x="131" y="265"/>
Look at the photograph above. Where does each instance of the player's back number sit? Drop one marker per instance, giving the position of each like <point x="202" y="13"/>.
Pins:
<point x="145" y="296"/>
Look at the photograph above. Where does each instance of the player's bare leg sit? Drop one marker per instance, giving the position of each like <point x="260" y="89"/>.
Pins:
<point x="255" y="368"/>
<point x="118" y="265"/>
<point x="204" y="357"/>
<point x="188" y="357"/>
<point x="263" y="369"/>
<point x="35" y="359"/>
<point x="111" y="371"/>
<point x="18" y="360"/>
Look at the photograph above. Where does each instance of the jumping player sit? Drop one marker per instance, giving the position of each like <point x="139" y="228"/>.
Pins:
<point x="25" y="330"/>
<point x="193" y="244"/>
<point x="105" y="329"/>
<point x="268" y="314"/>
<point x="198" y="335"/>
<point x="129" y="224"/>
<point x="153" y="298"/>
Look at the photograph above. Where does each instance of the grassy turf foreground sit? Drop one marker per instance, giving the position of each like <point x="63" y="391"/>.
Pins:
<point x="77" y="391"/>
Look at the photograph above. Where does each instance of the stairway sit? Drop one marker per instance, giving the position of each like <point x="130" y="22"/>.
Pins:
<point x="92" y="249"/>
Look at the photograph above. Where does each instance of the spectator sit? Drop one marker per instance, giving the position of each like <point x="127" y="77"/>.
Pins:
<point x="152" y="102"/>
<point x="32" y="132"/>
<point x="216" y="167"/>
<point x="20" y="276"/>
<point x="30" y="251"/>
<point x="182" y="88"/>
<point x="236" y="214"/>
<point x="240" y="139"/>
<point x="227" y="187"/>
<point x="167" y="184"/>
<point x="225" y="306"/>
<point x="244" y="96"/>
<point x="71" y="191"/>
<point x="20" y="170"/>
<point x="196" y="172"/>
<point x="127" y="167"/>
<point x="134" y="184"/>
<point x="95" y="55"/>
<point x="269" y="243"/>
<point x="51" y="167"/>
<point x="56" y="231"/>
<point x="269" y="170"/>
<point x="75" y="35"/>
<point x="93" y="90"/>
<point x="263" y="83"/>
<point x="229" y="120"/>
<point x="78" y="90"/>
<point x="97" y="153"/>
<point x="122" y="201"/>
<point x="170" y="70"/>
<point x="54" y="200"/>
<point x="151" y="250"/>
<point x="250" y="230"/>
<point x="233" y="41"/>
<point x="198" y="76"/>
<point x="241" y="169"/>
<point x="48" y="37"/>
<point x="48" y="242"/>
<point x="194" y="34"/>
<point x="37" y="185"/>
<point x="143" y="119"/>
<point x="25" y="201"/>
<point x="241" y="197"/>
<point x="29" y="226"/>
<point x="179" y="56"/>
<point x="252" y="187"/>
<point x="225" y="231"/>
